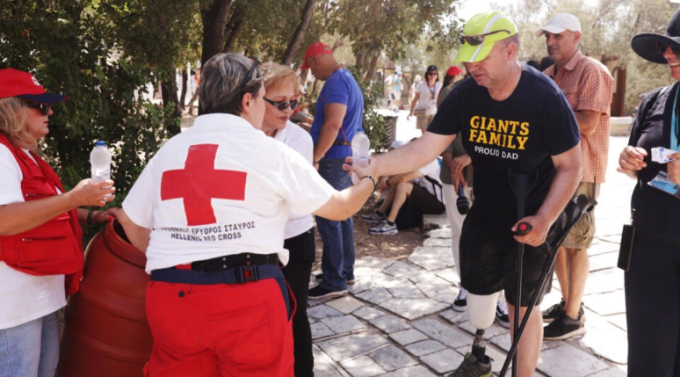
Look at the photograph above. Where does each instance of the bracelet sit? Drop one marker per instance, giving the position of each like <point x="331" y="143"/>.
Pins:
<point x="89" y="216"/>
<point x="372" y="180"/>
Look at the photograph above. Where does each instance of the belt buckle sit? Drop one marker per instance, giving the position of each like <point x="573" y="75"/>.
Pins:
<point x="245" y="274"/>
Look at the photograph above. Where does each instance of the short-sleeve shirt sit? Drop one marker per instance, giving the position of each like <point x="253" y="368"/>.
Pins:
<point x="221" y="188"/>
<point x="299" y="140"/>
<point x="343" y="89"/>
<point x="428" y="96"/>
<point x="520" y="133"/>
<point x="587" y="84"/>
<point x="24" y="297"/>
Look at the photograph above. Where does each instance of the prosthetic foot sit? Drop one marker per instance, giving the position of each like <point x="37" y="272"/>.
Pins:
<point x="482" y="313"/>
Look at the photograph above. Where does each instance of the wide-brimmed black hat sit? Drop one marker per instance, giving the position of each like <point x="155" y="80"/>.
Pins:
<point x="645" y="44"/>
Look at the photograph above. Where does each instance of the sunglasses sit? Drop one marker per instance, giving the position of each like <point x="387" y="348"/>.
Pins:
<point x="43" y="107"/>
<point x="283" y="105"/>
<point x="662" y="46"/>
<point x="478" y="39"/>
<point x="256" y="63"/>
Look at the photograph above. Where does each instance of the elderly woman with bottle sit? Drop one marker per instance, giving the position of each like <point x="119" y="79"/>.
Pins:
<point x="41" y="254"/>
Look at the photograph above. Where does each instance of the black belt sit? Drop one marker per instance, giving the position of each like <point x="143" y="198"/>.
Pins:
<point x="229" y="261"/>
<point x="234" y="275"/>
<point x="338" y="143"/>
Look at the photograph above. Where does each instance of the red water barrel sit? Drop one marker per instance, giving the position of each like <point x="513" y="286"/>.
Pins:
<point x="106" y="332"/>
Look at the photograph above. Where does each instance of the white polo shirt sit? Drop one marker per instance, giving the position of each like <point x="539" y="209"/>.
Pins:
<point x="301" y="141"/>
<point x="221" y="188"/>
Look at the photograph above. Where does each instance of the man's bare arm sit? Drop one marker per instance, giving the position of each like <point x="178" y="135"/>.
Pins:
<point x="587" y="121"/>
<point x="334" y="113"/>
<point x="568" y="166"/>
<point x="413" y="155"/>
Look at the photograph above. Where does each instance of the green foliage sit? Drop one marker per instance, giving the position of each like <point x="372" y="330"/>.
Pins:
<point x="375" y="125"/>
<point x="71" y="48"/>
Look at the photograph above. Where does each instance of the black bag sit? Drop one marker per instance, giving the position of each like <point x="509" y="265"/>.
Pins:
<point x="626" y="249"/>
<point x="409" y="217"/>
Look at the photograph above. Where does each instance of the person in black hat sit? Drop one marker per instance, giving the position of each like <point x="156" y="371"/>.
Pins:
<point x="41" y="253"/>
<point x="426" y="98"/>
<point x="653" y="278"/>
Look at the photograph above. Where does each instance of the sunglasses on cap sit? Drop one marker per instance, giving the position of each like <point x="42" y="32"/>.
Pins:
<point x="662" y="46"/>
<point x="283" y="105"/>
<point x="43" y="107"/>
<point x="256" y="63"/>
<point x="478" y="39"/>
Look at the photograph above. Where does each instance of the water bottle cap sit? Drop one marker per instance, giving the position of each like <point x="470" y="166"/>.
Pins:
<point x="101" y="143"/>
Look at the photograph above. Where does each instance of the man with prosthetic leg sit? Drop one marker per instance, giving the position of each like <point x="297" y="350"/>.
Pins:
<point x="510" y="118"/>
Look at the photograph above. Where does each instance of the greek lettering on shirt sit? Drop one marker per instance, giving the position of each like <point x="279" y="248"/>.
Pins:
<point x="224" y="232"/>
<point x="488" y="133"/>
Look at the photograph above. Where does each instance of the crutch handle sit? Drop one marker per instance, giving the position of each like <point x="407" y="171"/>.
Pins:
<point x="523" y="228"/>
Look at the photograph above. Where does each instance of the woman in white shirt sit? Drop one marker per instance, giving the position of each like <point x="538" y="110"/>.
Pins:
<point x="426" y="99"/>
<point x="41" y="256"/>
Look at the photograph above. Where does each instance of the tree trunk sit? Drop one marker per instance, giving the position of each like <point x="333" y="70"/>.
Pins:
<point x="360" y="61"/>
<point x="234" y="28"/>
<point x="185" y="82"/>
<point x="299" y="34"/>
<point x="169" y="91"/>
<point x="372" y="67"/>
<point x="214" y="18"/>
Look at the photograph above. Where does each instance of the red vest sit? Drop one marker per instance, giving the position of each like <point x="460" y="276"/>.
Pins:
<point x="53" y="248"/>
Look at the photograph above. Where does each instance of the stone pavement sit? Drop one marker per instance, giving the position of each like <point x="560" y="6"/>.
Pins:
<point x="397" y="319"/>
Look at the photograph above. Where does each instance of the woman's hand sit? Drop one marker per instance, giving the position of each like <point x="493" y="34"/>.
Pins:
<point x="673" y="168"/>
<point x="459" y="163"/>
<point x="87" y="193"/>
<point x="631" y="161"/>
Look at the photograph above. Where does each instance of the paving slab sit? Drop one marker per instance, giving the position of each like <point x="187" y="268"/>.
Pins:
<point x="390" y="323"/>
<point x="406" y="337"/>
<point x="567" y="361"/>
<point x="437" y="242"/>
<point x="344" y="324"/>
<point x="323" y="311"/>
<point x="320" y="330"/>
<point x="605" y="340"/>
<point x="350" y="346"/>
<point x="447" y="297"/>
<point x="604" y="261"/>
<point x="440" y="233"/>
<point x="415" y="371"/>
<point x="618" y="320"/>
<point x="443" y="361"/>
<point x="606" y="303"/>
<point x="375" y="296"/>
<point x="433" y="286"/>
<point x="362" y="284"/>
<point x="388" y="281"/>
<point x="611" y="372"/>
<point x="392" y="358"/>
<point x="425" y="347"/>
<point x="368" y="313"/>
<point x="602" y="281"/>
<point x="412" y="308"/>
<point x="453" y="316"/>
<point x="601" y="247"/>
<point x="373" y="262"/>
<point x="406" y="290"/>
<point x="324" y="366"/>
<point x="432" y="257"/>
<point x="450" y="275"/>
<point x="345" y="304"/>
<point x="489" y="333"/>
<point x="400" y="269"/>
<point x="446" y="334"/>
<point x="362" y="366"/>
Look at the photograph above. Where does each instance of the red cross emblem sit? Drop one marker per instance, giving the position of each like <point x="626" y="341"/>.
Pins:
<point x="199" y="182"/>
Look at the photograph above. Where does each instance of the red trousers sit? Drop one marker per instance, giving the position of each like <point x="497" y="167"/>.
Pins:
<point x="220" y="330"/>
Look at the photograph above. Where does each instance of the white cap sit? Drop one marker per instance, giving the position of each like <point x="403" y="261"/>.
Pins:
<point x="559" y="23"/>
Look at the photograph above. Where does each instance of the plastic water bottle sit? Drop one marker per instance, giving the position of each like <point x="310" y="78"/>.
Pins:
<point x="100" y="161"/>
<point x="360" y="147"/>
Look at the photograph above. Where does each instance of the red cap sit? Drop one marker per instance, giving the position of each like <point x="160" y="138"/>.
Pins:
<point x="453" y="70"/>
<point x="15" y="83"/>
<point x="316" y="48"/>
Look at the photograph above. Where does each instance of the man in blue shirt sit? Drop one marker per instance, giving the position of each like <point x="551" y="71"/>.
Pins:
<point x="339" y="112"/>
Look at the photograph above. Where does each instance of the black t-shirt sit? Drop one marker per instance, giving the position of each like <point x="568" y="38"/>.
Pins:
<point x="520" y="133"/>
<point x="655" y="212"/>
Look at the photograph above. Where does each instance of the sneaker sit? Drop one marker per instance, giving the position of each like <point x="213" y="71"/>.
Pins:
<point x="471" y="367"/>
<point x="319" y="277"/>
<point x="384" y="228"/>
<point x="319" y="292"/>
<point x="460" y="303"/>
<point x="553" y="312"/>
<point x="374" y="218"/>
<point x="502" y="314"/>
<point x="564" y="327"/>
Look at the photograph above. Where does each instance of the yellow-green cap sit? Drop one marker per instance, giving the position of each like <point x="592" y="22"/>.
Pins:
<point x="480" y="24"/>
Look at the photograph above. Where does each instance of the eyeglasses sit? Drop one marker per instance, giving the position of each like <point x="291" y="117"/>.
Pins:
<point x="283" y="105"/>
<point x="478" y="39"/>
<point x="433" y="73"/>
<point x="662" y="46"/>
<point x="256" y="63"/>
<point x="43" y="107"/>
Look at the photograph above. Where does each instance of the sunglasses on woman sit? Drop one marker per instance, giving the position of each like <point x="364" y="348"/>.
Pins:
<point x="283" y="105"/>
<point x="478" y="39"/>
<point x="662" y="46"/>
<point x="43" y="107"/>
